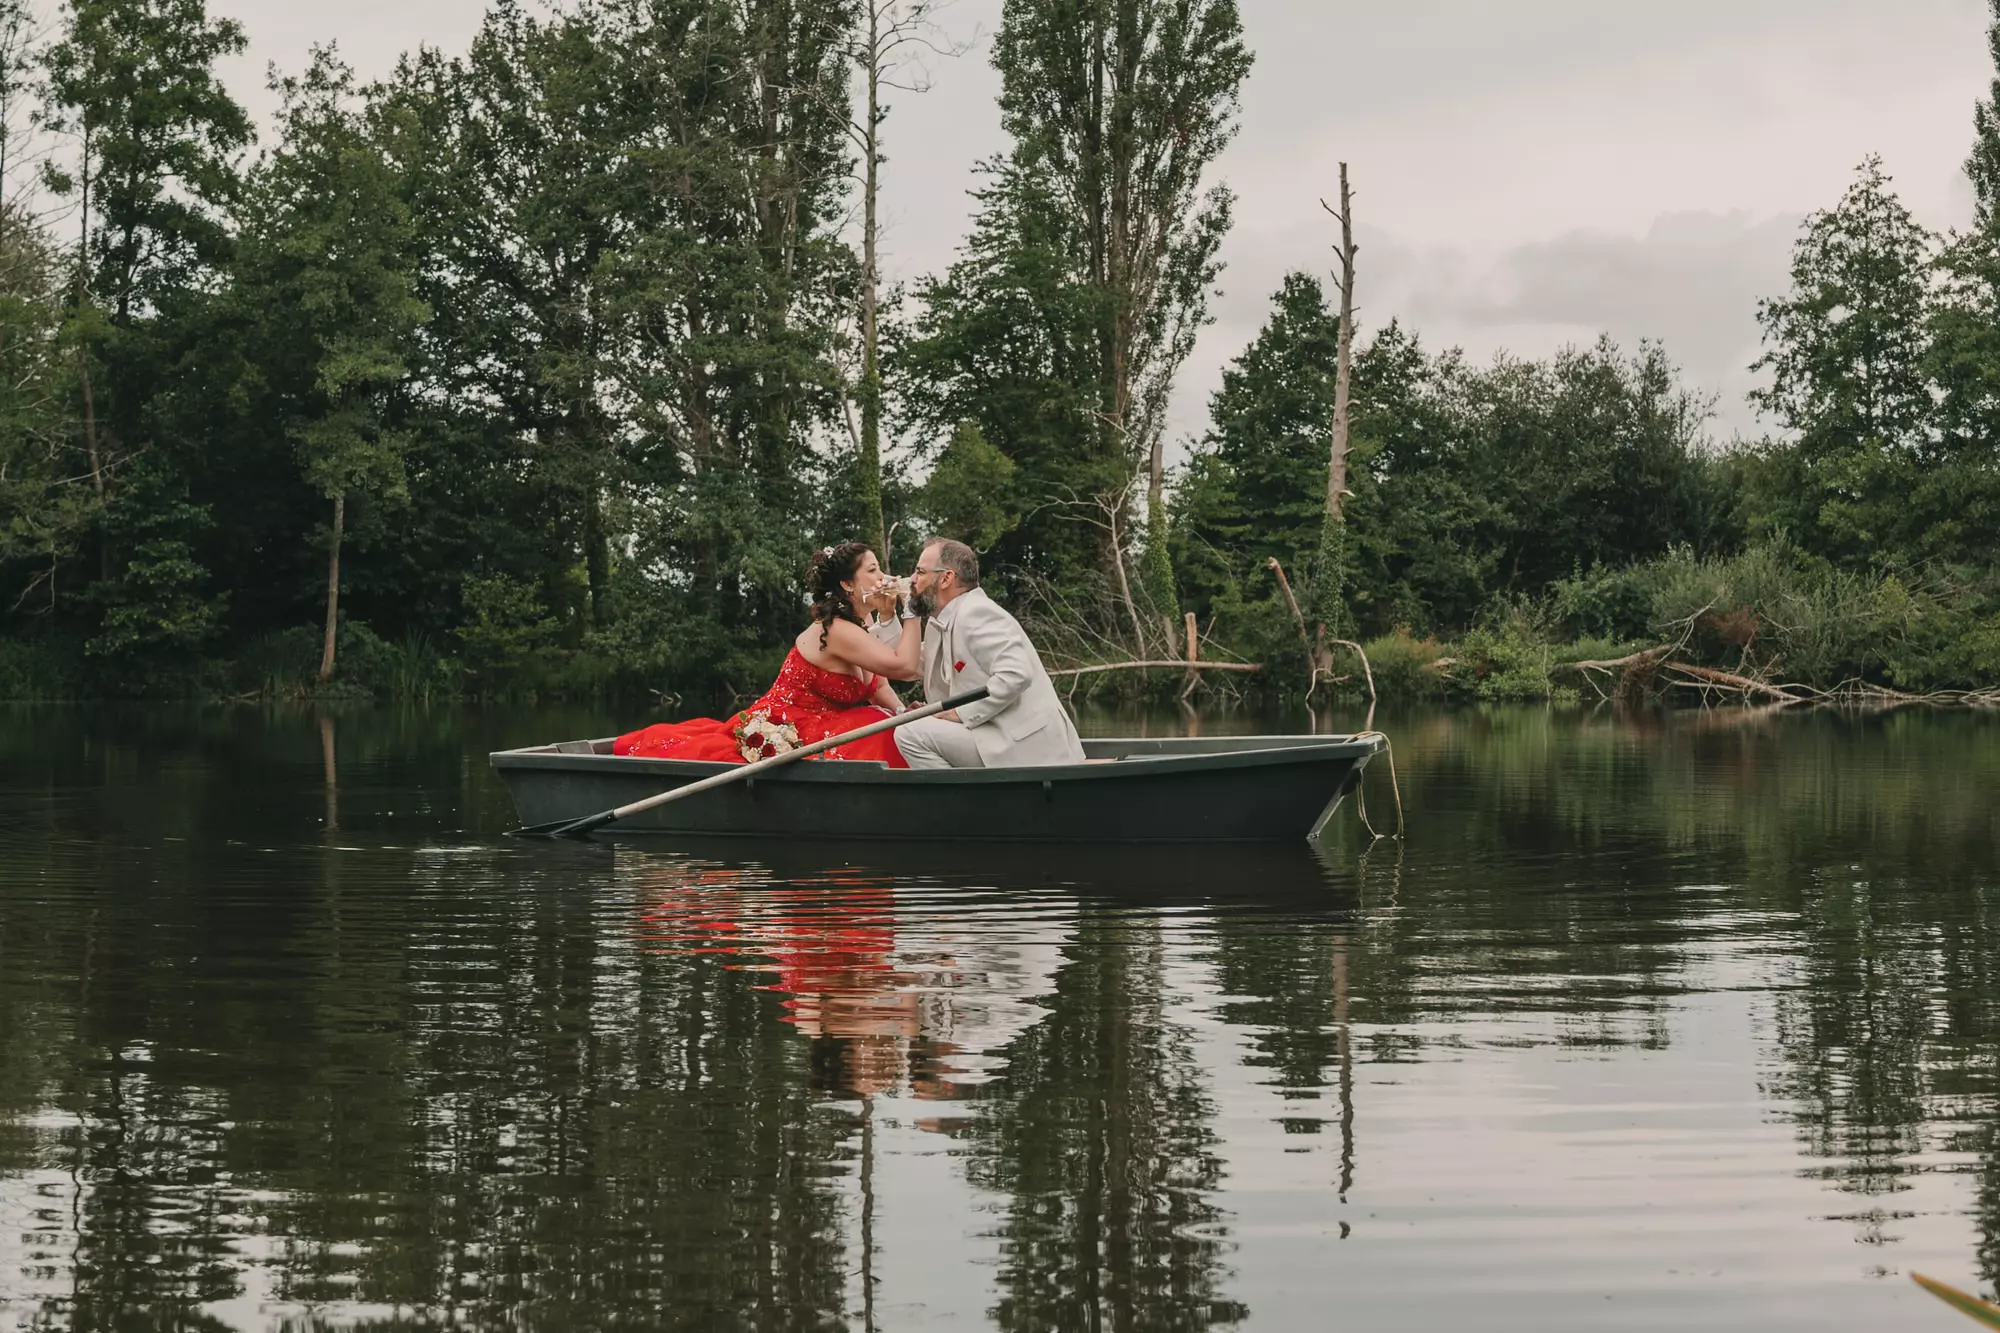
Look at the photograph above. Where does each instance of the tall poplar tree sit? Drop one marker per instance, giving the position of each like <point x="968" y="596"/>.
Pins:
<point x="1118" y="110"/>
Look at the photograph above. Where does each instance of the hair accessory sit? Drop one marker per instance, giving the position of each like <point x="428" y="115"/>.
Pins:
<point x="826" y="550"/>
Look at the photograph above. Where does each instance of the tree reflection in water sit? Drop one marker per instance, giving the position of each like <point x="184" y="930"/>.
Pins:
<point x="1091" y="1120"/>
<point x="269" y="1059"/>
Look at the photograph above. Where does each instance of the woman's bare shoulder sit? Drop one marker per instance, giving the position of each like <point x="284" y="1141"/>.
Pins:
<point x="830" y="658"/>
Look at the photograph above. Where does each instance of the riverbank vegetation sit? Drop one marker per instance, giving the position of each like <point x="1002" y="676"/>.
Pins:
<point x="540" y="368"/>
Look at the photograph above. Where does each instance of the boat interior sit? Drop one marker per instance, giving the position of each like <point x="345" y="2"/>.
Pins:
<point x="1100" y="749"/>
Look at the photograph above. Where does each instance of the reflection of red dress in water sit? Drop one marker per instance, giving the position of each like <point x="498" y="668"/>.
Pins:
<point x="813" y="701"/>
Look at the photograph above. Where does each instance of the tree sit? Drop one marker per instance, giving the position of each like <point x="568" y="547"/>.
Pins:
<point x="46" y="508"/>
<point x="880" y="46"/>
<point x="133" y="84"/>
<point x="630" y="219"/>
<point x="963" y="497"/>
<point x="1846" y="350"/>
<point x="1098" y="218"/>
<point x="20" y="59"/>
<point x="1983" y="166"/>
<point x="1252" y="489"/>
<point x="1329" y="571"/>
<point x="734" y="300"/>
<point x="158" y="139"/>
<point x="327" y="263"/>
<point x="1954" y="505"/>
<point x="527" y="199"/>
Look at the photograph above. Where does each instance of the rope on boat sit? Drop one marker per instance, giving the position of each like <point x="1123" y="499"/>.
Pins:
<point x="1395" y="787"/>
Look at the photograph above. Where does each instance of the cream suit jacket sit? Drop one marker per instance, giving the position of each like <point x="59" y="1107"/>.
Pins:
<point x="972" y="642"/>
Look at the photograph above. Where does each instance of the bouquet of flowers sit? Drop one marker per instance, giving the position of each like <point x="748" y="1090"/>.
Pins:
<point x="758" y="737"/>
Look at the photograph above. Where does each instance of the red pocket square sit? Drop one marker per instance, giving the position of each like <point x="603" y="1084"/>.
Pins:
<point x="958" y="666"/>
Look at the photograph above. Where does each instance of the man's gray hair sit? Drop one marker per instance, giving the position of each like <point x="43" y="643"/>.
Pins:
<point x="960" y="559"/>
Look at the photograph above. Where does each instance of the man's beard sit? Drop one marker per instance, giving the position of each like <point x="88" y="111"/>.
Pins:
<point x="923" y="603"/>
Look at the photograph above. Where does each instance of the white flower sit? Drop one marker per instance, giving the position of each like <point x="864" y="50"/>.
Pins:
<point x="758" y="737"/>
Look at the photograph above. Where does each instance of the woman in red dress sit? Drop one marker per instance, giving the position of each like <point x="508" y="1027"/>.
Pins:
<point x="835" y="678"/>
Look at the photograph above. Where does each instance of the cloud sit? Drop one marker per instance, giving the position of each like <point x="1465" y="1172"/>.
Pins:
<point x="1691" y="282"/>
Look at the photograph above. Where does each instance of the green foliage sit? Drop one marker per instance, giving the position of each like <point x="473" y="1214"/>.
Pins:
<point x="1256" y="486"/>
<point x="38" y="668"/>
<point x="545" y="340"/>
<point x="158" y="603"/>
<point x="1469" y="486"/>
<point x="1087" y="275"/>
<point x="1504" y="664"/>
<point x="1982" y="168"/>
<point x="161" y="607"/>
<point x="1328" y="577"/>
<point x="1403" y="666"/>
<point x="48" y="506"/>
<point x="505" y="628"/>
<point x="1780" y="610"/>
<point x="968" y="495"/>
<point x="285" y="664"/>
<point x="326" y="271"/>
<point x="135" y="80"/>
<point x="1847" y="352"/>
<point x="1614" y="602"/>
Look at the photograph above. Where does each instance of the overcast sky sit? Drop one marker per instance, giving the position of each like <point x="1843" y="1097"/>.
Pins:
<point x="1527" y="174"/>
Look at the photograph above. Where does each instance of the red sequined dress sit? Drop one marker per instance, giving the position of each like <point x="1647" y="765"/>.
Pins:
<point x="814" y="702"/>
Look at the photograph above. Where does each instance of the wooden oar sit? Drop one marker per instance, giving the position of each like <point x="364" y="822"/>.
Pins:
<point x="576" y="828"/>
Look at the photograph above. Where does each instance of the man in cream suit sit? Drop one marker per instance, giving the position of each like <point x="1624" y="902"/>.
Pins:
<point x="971" y="641"/>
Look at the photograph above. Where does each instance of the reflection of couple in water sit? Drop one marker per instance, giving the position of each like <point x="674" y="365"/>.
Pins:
<point x="886" y="1004"/>
<point x="869" y="629"/>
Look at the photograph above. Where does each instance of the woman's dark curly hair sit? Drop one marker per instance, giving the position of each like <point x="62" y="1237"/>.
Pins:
<point x="830" y="568"/>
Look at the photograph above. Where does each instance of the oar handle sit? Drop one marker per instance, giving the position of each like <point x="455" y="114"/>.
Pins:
<point x="598" y="821"/>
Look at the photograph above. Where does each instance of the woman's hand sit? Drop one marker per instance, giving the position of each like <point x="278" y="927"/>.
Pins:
<point x="881" y="599"/>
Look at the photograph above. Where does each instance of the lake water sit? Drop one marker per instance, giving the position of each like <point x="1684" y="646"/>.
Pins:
<point x="1650" y="1023"/>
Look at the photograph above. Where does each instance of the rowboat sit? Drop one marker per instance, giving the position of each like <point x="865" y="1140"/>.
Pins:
<point x="1128" y="790"/>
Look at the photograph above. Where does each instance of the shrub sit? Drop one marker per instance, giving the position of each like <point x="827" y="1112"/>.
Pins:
<point x="1608" y="603"/>
<point x="39" y="669"/>
<point x="1504" y="665"/>
<point x="1402" y="665"/>
<point x="505" y="628"/>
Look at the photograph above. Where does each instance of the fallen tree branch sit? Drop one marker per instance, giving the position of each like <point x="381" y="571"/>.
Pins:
<point x="1245" y="667"/>
<point x="1644" y="657"/>
<point x="1312" y="660"/>
<point x="1708" y="677"/>
<point x="1636" y="672"/>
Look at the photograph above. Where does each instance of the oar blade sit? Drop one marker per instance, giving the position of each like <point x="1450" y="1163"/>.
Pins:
<point x="565" y="828"/>
<point x="583" y="828"/>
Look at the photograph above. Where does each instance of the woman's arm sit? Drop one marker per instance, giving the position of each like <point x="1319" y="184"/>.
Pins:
<point x="885" y="695"/>
<point x="851" y="643"/>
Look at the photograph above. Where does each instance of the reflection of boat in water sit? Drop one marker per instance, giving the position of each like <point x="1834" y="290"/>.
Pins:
<point x="889" y="998"/>
<point x="1230" y="789"/>
<point x="1276" y="873"/>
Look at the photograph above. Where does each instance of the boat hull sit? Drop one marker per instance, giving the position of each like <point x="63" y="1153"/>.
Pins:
<point x="1227" y="789"/>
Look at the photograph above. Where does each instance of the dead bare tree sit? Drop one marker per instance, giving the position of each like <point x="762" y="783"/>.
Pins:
<point x="1336" y="465"/>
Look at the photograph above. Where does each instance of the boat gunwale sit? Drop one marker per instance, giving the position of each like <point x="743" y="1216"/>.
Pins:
<point x="1298" y="751"/>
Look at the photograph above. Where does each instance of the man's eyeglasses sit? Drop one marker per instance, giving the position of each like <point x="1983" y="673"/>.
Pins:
<point x="928" y="569"/>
